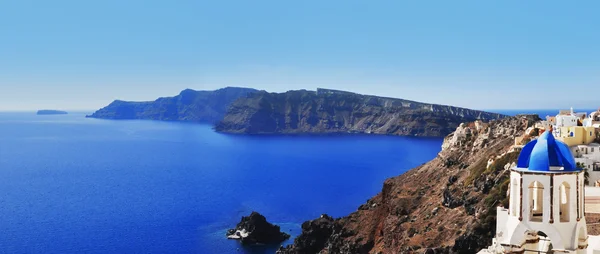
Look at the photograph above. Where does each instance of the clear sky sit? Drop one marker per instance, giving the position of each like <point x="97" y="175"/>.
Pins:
<point x="75" y="54"/>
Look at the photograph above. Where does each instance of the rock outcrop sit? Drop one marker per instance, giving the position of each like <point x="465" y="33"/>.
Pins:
<point x="447" y="205"/>
<point x="330" y="111"/>
<point x="189" y="106"/>
<point x="255" y="229"/>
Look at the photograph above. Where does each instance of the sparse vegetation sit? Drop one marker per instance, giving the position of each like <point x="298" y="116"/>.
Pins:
<point x="498" y="164"/>
<point x="586" y="174"/>
<point x="497" y="196"/>
<point x="476" y="170"/>
<point x="481" y="168"/>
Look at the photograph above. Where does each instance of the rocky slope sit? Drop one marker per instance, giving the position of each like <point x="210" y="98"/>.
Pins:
<point x="444" y="206"/>
<point x="331" y="111"/>
<point x="189" y="105"/>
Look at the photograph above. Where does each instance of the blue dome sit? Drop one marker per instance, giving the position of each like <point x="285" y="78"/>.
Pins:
<point x="546" y="152"/>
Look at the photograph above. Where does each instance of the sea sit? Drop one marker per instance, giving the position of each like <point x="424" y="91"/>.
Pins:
<point x="71" y="184"/>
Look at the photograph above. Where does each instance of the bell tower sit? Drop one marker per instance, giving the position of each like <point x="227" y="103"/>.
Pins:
<point x="546" y="210"/>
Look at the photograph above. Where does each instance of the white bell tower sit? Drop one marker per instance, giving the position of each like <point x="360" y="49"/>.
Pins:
<point x="546" y="210"/>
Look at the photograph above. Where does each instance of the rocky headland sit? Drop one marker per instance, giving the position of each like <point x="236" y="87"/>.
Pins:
<point x="189" y="106"/>
<point x="51" y="112"/>
<point x="249" y="111"/>
<point x="332" y="111"/>
<point x="255" y="229"/>
<point x="444" y="206"/>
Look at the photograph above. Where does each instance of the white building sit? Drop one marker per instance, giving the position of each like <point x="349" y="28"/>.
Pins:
<point x="591" y="151"/>
<point x="564" y="119"/>
<point x="589" y="156"/>
<point x="546" y="210"/>
<point x="593" y="120"/>
<point x="578" y="130"/>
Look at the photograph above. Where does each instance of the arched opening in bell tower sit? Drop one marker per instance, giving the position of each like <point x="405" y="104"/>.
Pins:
<point x="536" y="201"/>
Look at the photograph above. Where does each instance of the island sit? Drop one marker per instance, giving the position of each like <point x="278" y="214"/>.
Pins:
<point x="188" y="106"/>
<point x="324" y="111"/>
<point x="334" y="111"/>
<point x="51" y="112"/>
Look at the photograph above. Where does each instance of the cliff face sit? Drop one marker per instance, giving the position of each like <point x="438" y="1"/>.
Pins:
<point x="330" y="111"/>
<point x="189" y="105"/>
<point x="446" y="205"/>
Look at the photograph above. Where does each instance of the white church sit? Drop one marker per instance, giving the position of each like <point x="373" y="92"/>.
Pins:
<point x="546" y="211"/>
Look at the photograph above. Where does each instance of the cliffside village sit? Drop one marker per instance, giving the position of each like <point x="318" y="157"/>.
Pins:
<point x="579" y="131"/>
<point x="554" y="186"/>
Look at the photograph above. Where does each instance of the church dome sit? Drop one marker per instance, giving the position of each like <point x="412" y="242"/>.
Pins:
<point x="545" y="154"/>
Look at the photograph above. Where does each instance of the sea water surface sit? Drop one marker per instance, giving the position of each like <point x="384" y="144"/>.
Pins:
<point x="69" y="184"/>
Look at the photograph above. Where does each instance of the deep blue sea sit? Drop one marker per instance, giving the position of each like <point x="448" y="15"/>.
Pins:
<point x="76" y="185"/>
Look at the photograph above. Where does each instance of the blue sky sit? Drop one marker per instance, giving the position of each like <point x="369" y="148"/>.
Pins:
<point x="73" y="54"/>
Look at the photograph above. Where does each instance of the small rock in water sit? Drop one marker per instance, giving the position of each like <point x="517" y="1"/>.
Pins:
<point x="255" y="229"/>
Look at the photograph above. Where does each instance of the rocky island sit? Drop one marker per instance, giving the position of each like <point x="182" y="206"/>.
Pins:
<point x="444" y="206"/>
<point x="249" y="111"/>
<point x="188" y="106"/>
<point x="51" y="112"/>
<point x="255" y="229"/>
<point x="332" y="111"/>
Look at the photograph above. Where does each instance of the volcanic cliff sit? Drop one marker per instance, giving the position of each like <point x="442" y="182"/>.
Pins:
<point x="189" y="105"/>
<point x="447" y="205"/>
<point x="332" y="111"/>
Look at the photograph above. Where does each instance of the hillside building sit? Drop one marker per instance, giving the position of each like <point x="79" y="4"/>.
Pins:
<point x="576" y="135"/>
<point x="593" y="120"/>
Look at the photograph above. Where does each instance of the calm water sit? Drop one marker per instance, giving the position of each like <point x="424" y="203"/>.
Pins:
<point x="541" y="112"/>
<point x="71" y="184"/>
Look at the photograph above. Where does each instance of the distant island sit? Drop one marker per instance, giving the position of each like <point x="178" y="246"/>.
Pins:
<point x="188" y="106"/>
<point x="51" y="112"/>
<point x="250" y="111"/>
<point x="333" y="111"/>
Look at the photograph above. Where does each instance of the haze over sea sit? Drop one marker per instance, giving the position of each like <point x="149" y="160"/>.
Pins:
<point x="72" y="184"/>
